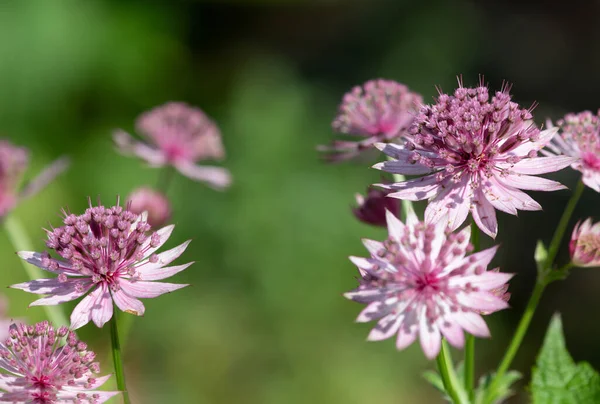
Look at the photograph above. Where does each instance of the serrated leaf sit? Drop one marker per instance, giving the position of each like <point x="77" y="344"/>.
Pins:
<point x="556" y="378"/>
<point x="502" y="390"/>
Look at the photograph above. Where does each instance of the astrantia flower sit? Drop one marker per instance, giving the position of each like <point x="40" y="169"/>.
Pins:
<point x="371" y="208"/>
<point x="420" y="282"/>
<point x="108" y="254"/>
<point x="179" y="135"/>
<point x="14" y="161"/>
<point x="585" y="244"/>
<point x="478" y="154"/>
<point x="42" y="370"/>
<point x="579" y="136"/>
<point x="378" y="111"/>
<point x="157" y="205"/>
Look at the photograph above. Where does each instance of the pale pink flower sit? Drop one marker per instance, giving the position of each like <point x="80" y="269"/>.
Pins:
<point x="178" y="135"/>
<point x="372" y="208"/>
<point x="477" y="155"/>
<point x="378" y="111"/>
<point x="14" y="161"/>
<point x="585" y="244"/>
<point x="146" y="199"/>
<point x="579" y="136"/>
<point x="420" y="282"/>
<point x="41" y="369"/>
<point x="108" y="254"/>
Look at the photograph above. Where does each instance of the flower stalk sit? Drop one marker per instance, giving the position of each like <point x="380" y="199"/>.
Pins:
<point x="117" y="358"/>
<point x="451" y="383"/>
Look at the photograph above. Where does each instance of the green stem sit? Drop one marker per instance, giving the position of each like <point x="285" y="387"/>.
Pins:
<point x="21" y="242"/>
<point x="562" y="225"/>
<point x="470" y="339"/>
<point x="407" y="206"/>
<point x="164" y="179"/>
<point x="117" y="357"/>
<point x="544" y="277"/>
<point x="451" y="382"/>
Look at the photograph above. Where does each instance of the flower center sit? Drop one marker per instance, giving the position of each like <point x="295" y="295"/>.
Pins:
<point x="428" y="283"/>
<point x="591" y="160"/>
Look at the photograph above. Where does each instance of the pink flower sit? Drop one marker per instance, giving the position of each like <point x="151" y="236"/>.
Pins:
<point x="179" y="136"/>
<point x="420" y="282"/>
<point x="371" y="209"/>
<point x="378" y="111"/>
<point x="146" y="199"/>
<point x="108" y="254"/>
<point x="13" y="164"/>
<point x="39" y="369"/>
<point x="585" y="244"/>
<point x="477" y="155"/>
<point x="579" y="137"/>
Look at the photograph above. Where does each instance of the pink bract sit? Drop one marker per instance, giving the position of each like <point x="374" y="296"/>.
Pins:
<point x="585" y="244"/>
<point x="472" y="154"/>
<point x="420" y="283"/>
<point x="109" y="256"/>
<point x="378" y="111"/>
<point x="41" y="369"/>
<point x="178" y="135"/>
<point x="579" y="137"/>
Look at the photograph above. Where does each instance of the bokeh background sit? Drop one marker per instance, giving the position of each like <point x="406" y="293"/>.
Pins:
<point x="265" y="321"/>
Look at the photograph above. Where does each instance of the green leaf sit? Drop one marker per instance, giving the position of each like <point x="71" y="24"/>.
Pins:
<point x="556" y="378"/>
<point x="435" y="379"/>
<point x="502" y="390"/>
<point x="540" y="255"/>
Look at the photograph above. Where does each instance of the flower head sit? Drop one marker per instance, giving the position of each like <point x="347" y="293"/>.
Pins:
<point x="579" y="137"/>
<point x="14" y="161"/>
<point x="477" y="154"/>
<point x="421" y="282"/>
<point x="42" y="370"/>
<point x="378" y="111"/>
<point x="107" y="254"/>
<point x="179" y="135"/>
<point x="585" y="244"/>
<point x="372" y="207"/>
<point x="157" y="205"/>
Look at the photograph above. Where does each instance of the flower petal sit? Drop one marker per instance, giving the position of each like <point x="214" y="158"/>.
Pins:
<point x="472" y="323"/>
<point x="532" y="183"/>
<point x="45" y="177"/>
<point x="35" y="258"/>
<point x="453" y="203"/>
<point x="64" y="295"/>
<point x="128" y="304"/>
<point x="165" y="257"/>
<point x="430" y="337"/>
<point x="416" y="189"/>
<point x="45" y="286"/>
<point x="453" y="333"/>
<point x="484" y="214"/>
<point x="542" y="165"/>
<point x="385" y="328"/>
<point x="216" y="177"/>
<point x="126" y="145"/>
<point x="81" y="314"/>
<point x="142" y="289"/>
<point x="154" y="274"/>
<point x="102" y="310"/>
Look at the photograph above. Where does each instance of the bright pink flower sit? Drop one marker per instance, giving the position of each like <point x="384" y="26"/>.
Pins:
<point x="371" y="209"/>
<point x="579" y="136"/>
<point x="585" y="244"/>
<point x="378" y="111"/>
<point x="41" y="370"/>
<point x="421" y="282"/>
<point x="179" y="135"/>
<point x="14" y="161"/>
<point x="146" y="199"/>
<point x="108" y="254"/>
<point x="477" y="154"/>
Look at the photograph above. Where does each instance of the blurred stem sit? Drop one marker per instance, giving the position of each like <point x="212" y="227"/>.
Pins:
<point x="470" y="339"/>
<point x="562" y="225"/>
<point x="545" y="276"/>
<point x="117" y="357"/>
<point x="451" y="383"/>
<point x="407" y="206"/>
<point x="164" y="179"/>
<point x="21" y="242"/>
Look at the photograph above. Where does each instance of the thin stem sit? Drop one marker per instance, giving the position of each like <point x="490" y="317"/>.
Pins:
<point x="544" y="277"/>
<point x="470" y="339"/>
<point x="117" y="357"/>
<point x="451" y="382"/>
<point x="407" y="206"/>
<point x="164" y="179"/>
<point x="19" y="239"/>
<point x="562" y="226"/>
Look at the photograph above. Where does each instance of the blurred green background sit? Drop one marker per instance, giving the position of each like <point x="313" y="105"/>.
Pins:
<point x="265" y="321"/>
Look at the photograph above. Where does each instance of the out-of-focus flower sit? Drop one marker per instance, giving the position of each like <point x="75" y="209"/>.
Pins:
<point x="378" y="111"/>
<point x="477" y="155"/>
<point x="14" y="161"/>
<point x="420" y="282"/>
<point x="146" y="199"/>
<point x="108" y="254"/>
<point x="579" y="136"/>
<point x="179" y="135"/>
<point x="5" y="321"/>
<point x="585" y="244"/>
<point x="371" y="209"/>
<point x="40" y="369"/>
